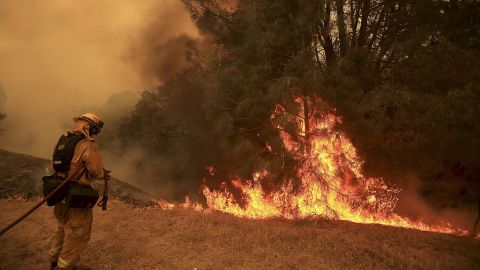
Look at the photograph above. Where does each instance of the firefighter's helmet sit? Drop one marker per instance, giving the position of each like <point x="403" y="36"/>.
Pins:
<point x="96" y="124"/>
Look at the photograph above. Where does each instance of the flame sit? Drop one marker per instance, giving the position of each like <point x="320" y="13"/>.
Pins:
<point x="165" y="205"/>
<point x="332" y="184"/>
<point x="188" y="204"/>
<point x="211" y="170"/>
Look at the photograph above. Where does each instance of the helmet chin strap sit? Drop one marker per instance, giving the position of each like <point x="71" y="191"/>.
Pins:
<point x="85" y="130"/>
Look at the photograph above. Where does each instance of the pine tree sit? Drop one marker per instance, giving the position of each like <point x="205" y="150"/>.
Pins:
<point x="400" y="72"/>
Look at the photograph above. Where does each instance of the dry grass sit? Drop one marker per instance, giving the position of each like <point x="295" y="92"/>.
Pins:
<point x="127" y="238"/>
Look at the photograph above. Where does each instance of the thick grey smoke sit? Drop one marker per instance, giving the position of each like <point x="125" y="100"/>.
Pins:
<point x="63" y="58"/>
<point x="161" y="51"/>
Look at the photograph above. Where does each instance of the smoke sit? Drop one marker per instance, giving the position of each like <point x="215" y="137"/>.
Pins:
<point x="165" y="145"/>
<point x="161" y="54"/>
<point x="161" y="51"/>
<point x="63" y="58"/>
<point x="3" y="99"/>
<point x="2" y="105"/>
<point x="411" y="204"/>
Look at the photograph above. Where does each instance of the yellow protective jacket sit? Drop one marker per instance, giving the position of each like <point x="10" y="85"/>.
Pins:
<point x="86" y="153"/>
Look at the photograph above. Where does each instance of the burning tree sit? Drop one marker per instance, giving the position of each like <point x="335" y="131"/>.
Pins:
<point x="268" y="85"/>
<point x="358" y="56"/>
<point x="331" y="180"/>
<point x="272" y="53"/>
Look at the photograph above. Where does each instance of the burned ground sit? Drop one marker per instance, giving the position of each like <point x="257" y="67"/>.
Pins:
<point x="129" y="237"/>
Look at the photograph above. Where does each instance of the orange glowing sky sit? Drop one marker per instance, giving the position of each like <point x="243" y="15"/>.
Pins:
<point x="60" y="58"/>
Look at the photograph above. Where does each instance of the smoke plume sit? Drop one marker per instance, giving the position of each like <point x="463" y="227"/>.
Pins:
<point x="63" y="58"/>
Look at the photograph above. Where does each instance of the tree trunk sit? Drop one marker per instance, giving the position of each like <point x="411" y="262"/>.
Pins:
<point x="354" y="15"/>
<point x="324" y="32"/>
<point x="341" y="27"/>
<point x="362" y="35"/>
<point x="308" y="147"/>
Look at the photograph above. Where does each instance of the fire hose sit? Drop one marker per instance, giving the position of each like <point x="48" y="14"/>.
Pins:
<point x="49" y="196"/>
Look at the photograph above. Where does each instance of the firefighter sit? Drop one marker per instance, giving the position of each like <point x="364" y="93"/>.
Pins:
<point x="75" y="224"/>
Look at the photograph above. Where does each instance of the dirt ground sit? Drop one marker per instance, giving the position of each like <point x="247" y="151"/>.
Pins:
<point x="127" y="238"/>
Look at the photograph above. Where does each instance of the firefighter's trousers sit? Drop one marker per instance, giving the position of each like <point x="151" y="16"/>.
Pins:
<point x="72" y="235"/>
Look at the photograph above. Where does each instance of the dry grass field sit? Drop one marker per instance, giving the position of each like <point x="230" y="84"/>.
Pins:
<point x="125" y="237"/>
<point x="128" y="238"/>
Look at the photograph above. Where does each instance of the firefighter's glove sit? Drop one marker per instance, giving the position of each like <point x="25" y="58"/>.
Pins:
<point x="103" y="202"/>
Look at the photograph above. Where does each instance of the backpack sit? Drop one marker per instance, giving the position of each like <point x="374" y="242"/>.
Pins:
<point x="62" y="157"/>
<point x="63" y="154"/>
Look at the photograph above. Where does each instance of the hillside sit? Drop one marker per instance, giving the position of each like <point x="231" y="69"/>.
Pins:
<point x="128" y="237"/>
<point x="21" y="175"/>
